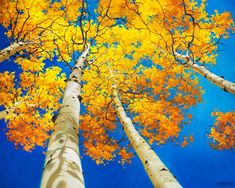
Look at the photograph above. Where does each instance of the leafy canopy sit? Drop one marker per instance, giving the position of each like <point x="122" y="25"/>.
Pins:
<point x="138" y="40"/>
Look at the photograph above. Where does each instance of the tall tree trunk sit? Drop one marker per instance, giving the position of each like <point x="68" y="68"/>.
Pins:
<point x="156" y="170"/>
<point x="12" y="49"/>
<point x="63" y="165"/>
<point x="217" y="80"/>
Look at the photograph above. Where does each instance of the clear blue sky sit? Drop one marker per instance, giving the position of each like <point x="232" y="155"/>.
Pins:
<point x="196" y="166"/>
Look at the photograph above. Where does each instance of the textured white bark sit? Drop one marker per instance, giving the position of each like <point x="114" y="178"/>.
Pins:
<point x="217" y="80"/>
<point x="63" y="165"/>
<point x="12" y="49"/>
<point x="155" y="168"/>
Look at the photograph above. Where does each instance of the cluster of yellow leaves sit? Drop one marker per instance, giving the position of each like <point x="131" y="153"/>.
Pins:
<point x="117" y="9"/>
<point x="161" y="115"/>
<point x="7" y="90"/>
<point x="69" y="9"/>
<point x="222" y="23"/>
<point x="44" y="23"/>
<point x="19" y="10"/>
<point x="43" y="82"/>
<point x="97" y="142"/>
<point x="33" y="101"/>
<point x="159" y="119"/>
<point x="33" y="64"/>
<point x="223" y="131"/>
<point x="171" y="25"/>
<point x="28" y="128"/>
<point x="24" y="17"/>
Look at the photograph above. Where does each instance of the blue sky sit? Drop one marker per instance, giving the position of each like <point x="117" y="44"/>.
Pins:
<point x="196" y="166"/>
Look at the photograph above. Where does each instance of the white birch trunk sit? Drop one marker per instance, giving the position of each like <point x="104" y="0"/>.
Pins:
<point x="217" y="80"/>
<point x="63" y="165"/>
<point x="12" y="49"/>
<point x="156" y="170"/>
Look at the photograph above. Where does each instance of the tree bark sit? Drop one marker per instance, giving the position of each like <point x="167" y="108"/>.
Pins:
<point x="12" y="49"/>
<point x="160" y="176"/>
<point x="217" y="80"/>
<point x="62" y="167"/>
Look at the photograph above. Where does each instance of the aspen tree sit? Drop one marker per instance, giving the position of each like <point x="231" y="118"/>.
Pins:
<point x="63" y="165"/>
<point x="160" y="176"/>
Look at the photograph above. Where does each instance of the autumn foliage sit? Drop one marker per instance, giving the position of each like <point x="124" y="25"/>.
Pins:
<point x="155" y="96"/>
<point x="223" y="131"/>
<point x="131" y="63"/>
<point x="31" y="100"/>
<point x="139" y="40"/>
